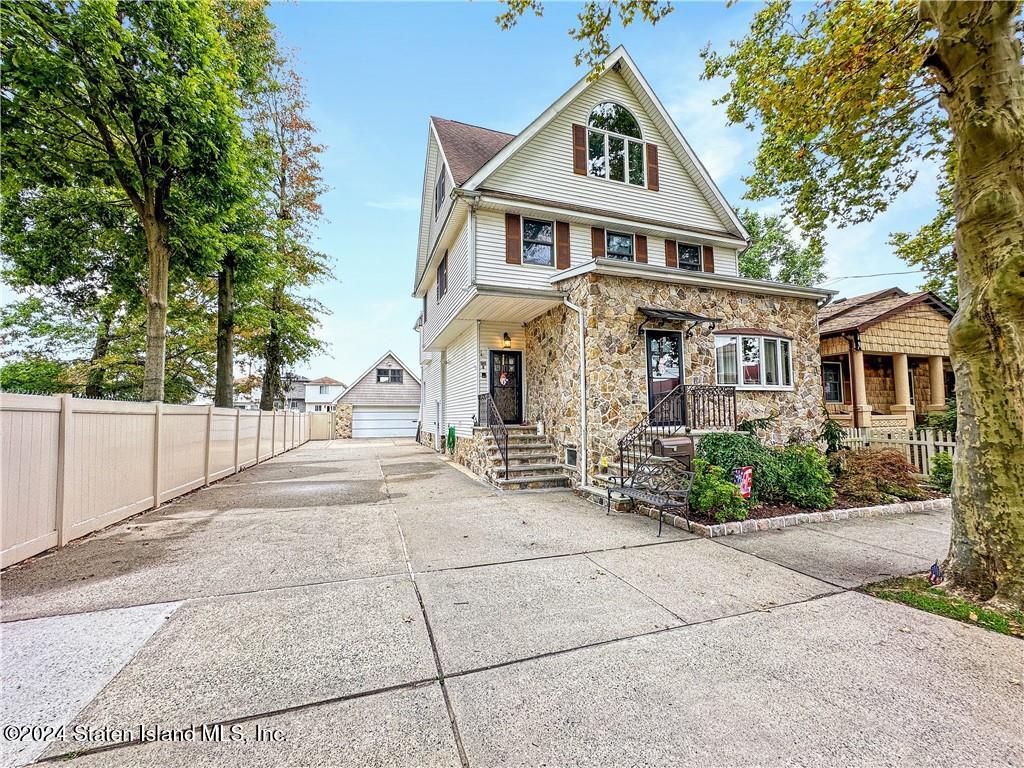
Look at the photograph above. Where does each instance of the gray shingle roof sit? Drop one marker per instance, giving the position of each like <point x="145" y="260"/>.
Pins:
<point x="468" y="147"/>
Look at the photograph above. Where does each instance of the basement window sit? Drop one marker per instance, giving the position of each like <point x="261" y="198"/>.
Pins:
<point x="571" y="457"/>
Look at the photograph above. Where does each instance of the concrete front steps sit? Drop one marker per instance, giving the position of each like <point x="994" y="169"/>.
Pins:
<point x="532" y="461"/>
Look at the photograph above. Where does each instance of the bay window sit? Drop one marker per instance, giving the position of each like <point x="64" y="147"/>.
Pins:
<point x="751" y="361"/>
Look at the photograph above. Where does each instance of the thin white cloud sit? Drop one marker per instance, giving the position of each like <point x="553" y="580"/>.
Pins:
<point x="396" y="203"/>
<point x="704" y="125"/>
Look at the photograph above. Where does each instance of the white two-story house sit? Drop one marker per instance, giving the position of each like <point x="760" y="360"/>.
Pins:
<point x="321" y="394"/>
<point x="578" y="273"/>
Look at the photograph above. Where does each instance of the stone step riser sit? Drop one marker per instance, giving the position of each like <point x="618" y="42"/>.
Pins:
<point x="533" y="484"/>
<point x="523" y="462"/>
<point x="514" y="472"/>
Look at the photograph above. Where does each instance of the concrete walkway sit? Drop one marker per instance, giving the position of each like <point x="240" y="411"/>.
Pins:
<point x="364" y="603"/>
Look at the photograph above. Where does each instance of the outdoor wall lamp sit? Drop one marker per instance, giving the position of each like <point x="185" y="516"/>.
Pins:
<point x="506" y="341"/>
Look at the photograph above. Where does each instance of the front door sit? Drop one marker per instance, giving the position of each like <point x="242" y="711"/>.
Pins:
<point x="664" y="364"/>
<point x="507" y="385"/>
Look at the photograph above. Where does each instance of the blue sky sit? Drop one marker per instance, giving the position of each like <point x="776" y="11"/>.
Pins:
<point x="376" y="71"/>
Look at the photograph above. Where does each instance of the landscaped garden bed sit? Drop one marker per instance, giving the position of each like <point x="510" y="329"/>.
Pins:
<point x="798" y="483"/>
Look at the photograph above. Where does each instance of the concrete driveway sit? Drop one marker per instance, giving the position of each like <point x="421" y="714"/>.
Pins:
<point x="365" y="603"/>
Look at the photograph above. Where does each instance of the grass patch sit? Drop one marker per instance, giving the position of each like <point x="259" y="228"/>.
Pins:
<point x="916" y="592"/>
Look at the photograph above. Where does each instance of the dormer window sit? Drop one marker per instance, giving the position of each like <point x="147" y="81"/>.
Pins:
<point x="615" y="146"/>
<point x="440" y="189"/>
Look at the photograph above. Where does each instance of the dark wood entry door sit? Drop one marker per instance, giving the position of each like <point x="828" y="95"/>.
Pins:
<point x="664" y="364"/>
<point x="507" y="385"/>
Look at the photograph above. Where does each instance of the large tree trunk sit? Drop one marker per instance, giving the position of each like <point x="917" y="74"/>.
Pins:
<point x="977" y="59"/>
<point x="97" y="370"/>
<point x="158" y="253"/>
<point x="272" y="369"/>
<point x="225" y="395"/>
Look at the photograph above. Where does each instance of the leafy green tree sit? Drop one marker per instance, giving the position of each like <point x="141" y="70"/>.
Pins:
<point x="287" y="317"/>
<point x="33" y="376"/>
<point x="775" y="254"/>
<point x="849" y="98"/>
<point x="137" y="97"/>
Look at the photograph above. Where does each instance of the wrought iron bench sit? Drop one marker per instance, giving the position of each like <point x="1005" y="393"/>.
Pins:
<point x="658" y="482"/>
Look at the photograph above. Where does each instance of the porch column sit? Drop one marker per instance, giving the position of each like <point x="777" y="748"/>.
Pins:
<point x="937" y="380"/>
<point x="861" y="408"/>
<point x="901" y="384"/>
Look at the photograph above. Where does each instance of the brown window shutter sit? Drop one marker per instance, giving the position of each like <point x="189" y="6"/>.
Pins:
<point x="652" y="167"/>
<point x="579" y="150"/>
<point x="709" y="259"/>
<point x="671" y="254"/>
<point x="562" y="244"/>
<point x="597" y="242"/>
<point x="641" y="248"/>
<point x="513" y="239"/>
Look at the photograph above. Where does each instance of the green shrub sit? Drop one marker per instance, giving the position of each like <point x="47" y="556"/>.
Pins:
<point x="715" y="495"/>
<point x="832" y="433"/>
<point x="942" y="420"/>
<point x="874" y="476"/>
<point x="942" y="471"/>
<point x="806" y="479"/>
<point x="731" y="450"/>
<point x="751" y="426"/>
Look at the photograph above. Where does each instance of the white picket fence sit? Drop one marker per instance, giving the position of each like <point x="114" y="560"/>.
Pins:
<point x="917" y="445"/>
<point x="70" y="467"/>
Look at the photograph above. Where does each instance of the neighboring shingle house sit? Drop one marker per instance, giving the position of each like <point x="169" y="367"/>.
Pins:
<point x="885" y="357"/>
<point x="383" y="402"/>
<point x="577" y="272"/>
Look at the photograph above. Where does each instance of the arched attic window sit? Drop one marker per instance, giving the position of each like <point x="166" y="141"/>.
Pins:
<point x="615" y="146"/>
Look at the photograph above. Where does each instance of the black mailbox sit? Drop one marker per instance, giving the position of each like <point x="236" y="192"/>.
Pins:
<point x="678" y="448"/>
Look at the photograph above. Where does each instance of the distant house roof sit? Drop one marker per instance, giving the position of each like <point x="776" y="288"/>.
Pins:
<point x="468" y="147"/>
<point x="326" y="380"/>
<point x="367" y="390"/>
<point x="860" y="312"/>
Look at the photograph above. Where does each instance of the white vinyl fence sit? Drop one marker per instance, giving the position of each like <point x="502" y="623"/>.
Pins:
<point x="917" y="445"/>
<point x="70" y="467"/>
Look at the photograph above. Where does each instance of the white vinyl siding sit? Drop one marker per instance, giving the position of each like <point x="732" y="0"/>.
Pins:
<point x="431" y="394"/>
<point x="543" y="168"/>
<point x="460" y="388"/>
<point x="440" y="312"/>
<point x="491" y="268"/>
<point x="433" y="223"/>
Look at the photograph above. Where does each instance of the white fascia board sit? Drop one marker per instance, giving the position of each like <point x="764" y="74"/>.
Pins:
<point x="626" y="223"/>
<point x="702" y="279"/>
<point x="418" y="290"/>
<point x="425" y="208"/>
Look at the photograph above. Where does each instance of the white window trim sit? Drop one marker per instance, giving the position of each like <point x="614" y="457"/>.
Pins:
<point x="626" y="139"/>
<point x="440" y="183"/>
<point x="565" y="456"/>
<point x="608" y="233"/>
<point x="522" y="243"/>
<point x="740" y="386"/>
<point x="824" y="392"/>
<point x="700" y="256"/>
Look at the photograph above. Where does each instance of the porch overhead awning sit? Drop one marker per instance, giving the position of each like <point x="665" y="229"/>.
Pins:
<point x="676" y="315"/>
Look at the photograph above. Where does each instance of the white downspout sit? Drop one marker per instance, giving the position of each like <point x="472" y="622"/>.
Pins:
<point x="585" y="470"/>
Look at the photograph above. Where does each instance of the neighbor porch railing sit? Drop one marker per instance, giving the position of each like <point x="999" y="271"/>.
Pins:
<point x="688" y="406"/>
<point x="488" y="416"/>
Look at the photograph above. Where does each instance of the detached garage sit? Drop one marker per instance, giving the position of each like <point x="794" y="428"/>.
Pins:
<point x="383" y="402"/>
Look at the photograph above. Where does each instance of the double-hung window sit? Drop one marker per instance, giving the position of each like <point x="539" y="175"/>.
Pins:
<point x="619" y="245"/>
<point x="751" y="361"/>
<point x="615" y="147"/>
<point x="442" y="276"/>
<point x="690" y="257"/>
<point x="832" y="381"/>
<point x="539" y="242"/>
<point x="440" y="188"/>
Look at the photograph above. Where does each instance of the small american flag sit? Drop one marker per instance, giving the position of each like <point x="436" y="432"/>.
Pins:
<point x="935" y="574"/>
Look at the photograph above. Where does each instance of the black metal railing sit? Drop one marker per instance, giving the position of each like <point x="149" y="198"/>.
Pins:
<point x="688" y="406"/>
<point x="488" y="416"/>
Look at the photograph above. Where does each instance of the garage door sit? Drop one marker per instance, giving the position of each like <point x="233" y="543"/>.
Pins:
<point x="370" y="421"/>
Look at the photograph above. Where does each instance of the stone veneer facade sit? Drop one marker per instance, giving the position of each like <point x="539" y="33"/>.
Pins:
<point x="343" y="421"/>
<point x="616" y="368"/>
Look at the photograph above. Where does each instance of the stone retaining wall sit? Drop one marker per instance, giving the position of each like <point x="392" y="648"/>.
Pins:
<point x="343" y="421"/>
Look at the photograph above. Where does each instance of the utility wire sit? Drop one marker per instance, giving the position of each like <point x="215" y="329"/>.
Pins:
<point x="877" y="274"/>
